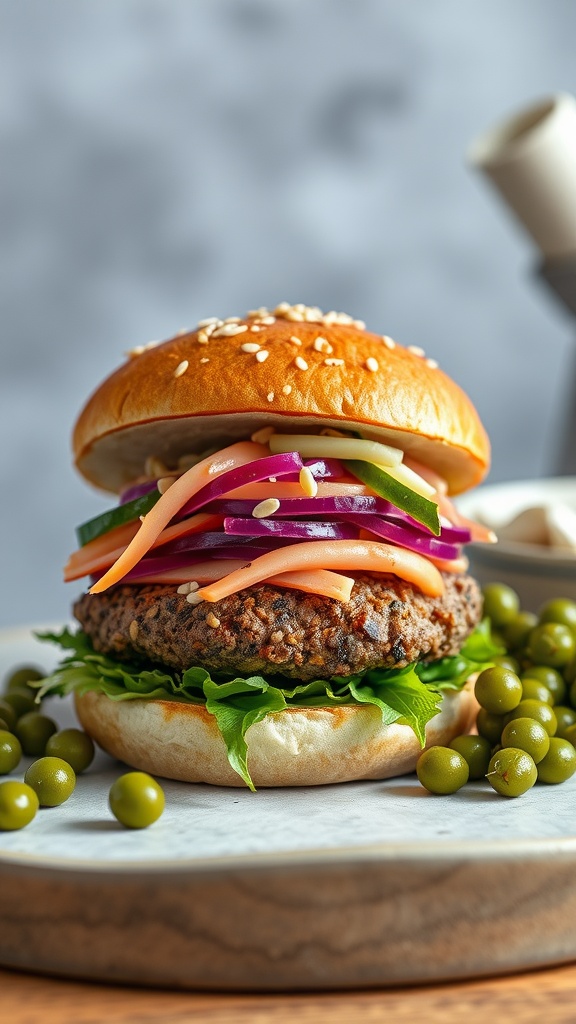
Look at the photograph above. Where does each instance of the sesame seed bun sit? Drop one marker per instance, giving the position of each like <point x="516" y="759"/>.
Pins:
<point x="295" y="747"/>
<point x="227" y="379"/>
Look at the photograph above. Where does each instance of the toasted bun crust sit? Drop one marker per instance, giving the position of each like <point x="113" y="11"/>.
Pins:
<point x="222" y="393"/>
<point x="297" y="747"/>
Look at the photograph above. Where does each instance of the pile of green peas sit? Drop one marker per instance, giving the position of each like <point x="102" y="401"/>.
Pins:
<point x="135" y="799"/>
<point x="526" y="724"/>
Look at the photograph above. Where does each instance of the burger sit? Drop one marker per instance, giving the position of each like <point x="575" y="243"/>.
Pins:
<point x="279" y="597"/>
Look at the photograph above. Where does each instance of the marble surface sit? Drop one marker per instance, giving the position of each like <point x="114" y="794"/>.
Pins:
<point x="164" y="161"/>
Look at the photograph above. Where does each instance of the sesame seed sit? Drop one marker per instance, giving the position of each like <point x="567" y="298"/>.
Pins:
<point x="321" y="345"/>
<point x="187" y="588"/>
<point x="255" y="328"/>
<point x="301" y="363"/>
<point x="359" y="324"/>
<point x="416" y="350"/>
<point x="372" y="364"/>
<point x="229" y="330"/>
<point x="266" y="508"/>
<point x="295" y="340"/>
<point x="193" y="598"/>
<point x="287" y="389"/>
<point x="203" y="338"/>
<point x="389" y="342"/>
<point x="432" y="364"/>
<point x="138" y="350"/>
<point x="267" y="320"/>
<point x="262" y="356"/>
<point x="181" y="368"/>
<point x="155" y="468"/>
<point x="295" y="315"/>
<point x="232" y="320"/>
<point x="133" y="630"/>
<point x="212" y="620"/>
<point x="307" y="482"/>
<point x="204" y="359"/>
<point x="262" y="311"/>
<point x="250" y="346"/>
<point x="183" y="330"/>
<point x="165" y="483"/>
<point x="208" y="321"/>
<point x="263" y="435"/>
<point x="334" y="362"/>
<point x="270" y="396"/>
<point x="282" y="307"/>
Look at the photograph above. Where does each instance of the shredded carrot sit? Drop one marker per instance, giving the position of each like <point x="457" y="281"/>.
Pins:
<point x="282" y="489"/>
<point x="170" y="503"/>
<point x="455" y="565"/>
<point x="313" y="581"/>
<point x="119" y="537"/>
<point x="371" y="556"/>
<point x="79" y="566"/>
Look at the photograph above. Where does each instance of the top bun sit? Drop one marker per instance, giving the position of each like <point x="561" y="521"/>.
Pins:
<point x="221" y="382"/>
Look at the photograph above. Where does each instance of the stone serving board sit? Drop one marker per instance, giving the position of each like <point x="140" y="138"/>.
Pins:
<point x="361" y="884"/>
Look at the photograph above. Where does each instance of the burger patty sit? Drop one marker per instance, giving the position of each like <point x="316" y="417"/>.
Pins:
<point x="266" y="629"/>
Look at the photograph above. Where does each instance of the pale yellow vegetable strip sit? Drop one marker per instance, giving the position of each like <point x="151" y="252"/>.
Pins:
<point x="314" y="581"/>
<point x="349" y="555"/>
<point x="170" y="503"/>
<point x="410" y="479"/>
<point x="312" y="446"/>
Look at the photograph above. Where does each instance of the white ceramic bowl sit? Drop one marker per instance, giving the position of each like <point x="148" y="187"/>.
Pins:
<point x="536" y="572"/>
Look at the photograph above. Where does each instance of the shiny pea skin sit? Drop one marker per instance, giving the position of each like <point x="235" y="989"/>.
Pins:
<point x="498" y="690"/>
<point x="551" y="644"/>
<point x="560" y="610"/>
<point x="570" y="735"/>
<point x="21" y="701"/>
<point x="136" y="800"/>
<point x="442" y="771"/>
<point x="515" y="633"/>
<point x="8" y="714"/>
<point x="10" y="752"/>
<point x="501" y="603"/>
<point x="559" y="764"/>
<point x="532" y="689"/>
<point x="512" y="772"/>
<point x="18" y="805"/>
<point x="565" y="718"/>
<point x="507" y="661"/>
<point x="52" y="779"/>
<point x="20" y="678"/>
<point x="34" y="730"/>
<point x="490" y="726"/>
<point x="551" y="679"/>
<point x="476" y="751"/>
<point x="536" y="709"/>
<point x="529" y="735"/>
<point x="73" y="746"/>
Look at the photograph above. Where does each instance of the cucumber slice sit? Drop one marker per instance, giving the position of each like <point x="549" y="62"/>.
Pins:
<point x="116" y="517"/>
<point x="420" y="508"/>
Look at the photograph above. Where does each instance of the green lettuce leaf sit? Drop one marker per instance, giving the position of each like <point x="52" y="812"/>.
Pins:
<point x="409" y="695"/>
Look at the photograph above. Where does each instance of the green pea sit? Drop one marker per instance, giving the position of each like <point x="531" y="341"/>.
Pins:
<point x="570" y="735"/>
<point x="442" y="770"/>
<point x="508" y="662"/>
<point x="4" y="726"/>
<point x="565" y="717"/>
<point x="18" y="805"/>
<point x="21" y="677"/>
<point x="529" y="735"/>
<point x="21" y="701"/>
<point x="498" y="690"/>
<point x="136" y="800"/>
<point x="559" y="763"/>
<point x="476" y="751"/>
<point x="34" y="730"/>
<point x="532" y="689"/>
<point x="551" y="644"/>
<point x="560" y="610"/>
<point x="8" y="714"/>
<point x="550" y="678"/>
<point x="536" y="709"/>
<point x="490" y="726"/>
<point x="501" y="603"/>
<point x="515" y="633"/>
<point x="512" y="772"/>
<point x="73" y="746"/>
<point x="10" y="752"/>
<point x="52" y="779"/>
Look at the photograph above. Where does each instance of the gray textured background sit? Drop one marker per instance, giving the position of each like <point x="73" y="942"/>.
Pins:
<point x="163" y="161"/>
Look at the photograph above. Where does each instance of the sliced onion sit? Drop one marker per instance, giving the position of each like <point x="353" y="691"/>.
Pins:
<point x="406" y="537"/>
<point x="252" y="472"/>
<point x="137" y="491"/>
<point x="296" y="530"/>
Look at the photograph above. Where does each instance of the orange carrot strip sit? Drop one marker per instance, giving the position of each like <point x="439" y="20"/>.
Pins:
<point x="313" y="581"/>
<point x="170" y="503"/>
<point x="372" y="556"/>
<point x="293" y="490"/>
<point x="456" y="565"/>
<point x="119" y="537"/>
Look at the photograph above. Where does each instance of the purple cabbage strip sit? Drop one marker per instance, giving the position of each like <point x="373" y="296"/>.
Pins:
<point x="293" y="529"/>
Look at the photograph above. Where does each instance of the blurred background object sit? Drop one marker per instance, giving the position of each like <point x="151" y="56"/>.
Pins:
<point x="163" y="161"/>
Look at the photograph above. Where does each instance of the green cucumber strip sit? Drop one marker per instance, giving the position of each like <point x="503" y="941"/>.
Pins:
<point x="116" y="517"/>
<point x="421" y="509"/>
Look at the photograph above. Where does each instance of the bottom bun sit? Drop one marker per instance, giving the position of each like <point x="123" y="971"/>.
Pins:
<point x="295" y="747"/>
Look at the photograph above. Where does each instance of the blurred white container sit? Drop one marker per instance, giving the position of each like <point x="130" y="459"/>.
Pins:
<point x="535" y="571"/>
